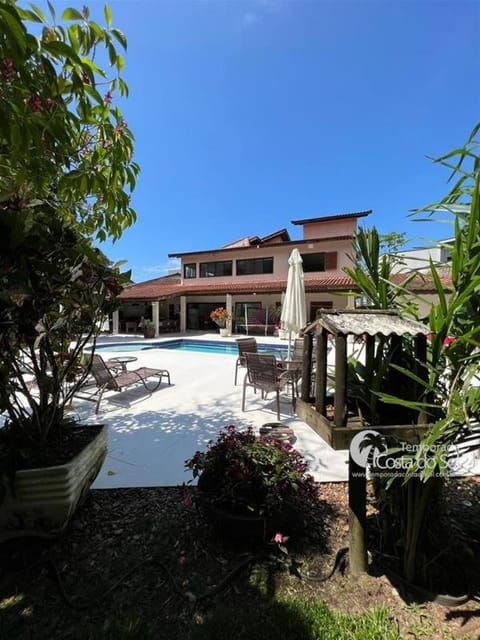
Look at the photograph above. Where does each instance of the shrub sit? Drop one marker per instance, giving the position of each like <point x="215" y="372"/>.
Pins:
<point x="245" y="474"/>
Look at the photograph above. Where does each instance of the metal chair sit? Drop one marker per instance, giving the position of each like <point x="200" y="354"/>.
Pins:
<point x="245" y="345"/>
<point x="263" y="373"/>
<point x="106" y="378"/>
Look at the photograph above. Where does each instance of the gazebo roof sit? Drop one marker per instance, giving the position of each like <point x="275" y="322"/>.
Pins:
<point x="370" y="321"/>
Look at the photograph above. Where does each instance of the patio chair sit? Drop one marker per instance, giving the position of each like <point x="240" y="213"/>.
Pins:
<point x="263" y="373"/>
<point x="245" y="345"/>
<point x="297" y="353"/>
<point x="106" y="378"/>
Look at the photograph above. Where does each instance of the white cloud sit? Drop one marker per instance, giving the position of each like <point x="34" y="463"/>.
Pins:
<point x="159" y="269"/>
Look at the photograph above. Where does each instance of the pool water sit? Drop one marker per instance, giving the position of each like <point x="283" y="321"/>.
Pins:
<point x="187" y="344"/>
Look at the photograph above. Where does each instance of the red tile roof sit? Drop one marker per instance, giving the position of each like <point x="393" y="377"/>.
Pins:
<point x="161" y="288"/>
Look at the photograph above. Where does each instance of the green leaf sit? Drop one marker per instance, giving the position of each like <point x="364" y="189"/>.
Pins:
<point x="71" y="14"/>
<point x="120" y="37"/>
<point x="108" y="15"/>
<point x="15" y="27"/>
<point x="112" y="54"/>
<point x="52" y="10"/>
<point x="39" y="13"/>
<point x="26" y="14"/>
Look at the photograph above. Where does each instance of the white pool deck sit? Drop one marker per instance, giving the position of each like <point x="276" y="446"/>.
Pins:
<point x="151" y="436"/>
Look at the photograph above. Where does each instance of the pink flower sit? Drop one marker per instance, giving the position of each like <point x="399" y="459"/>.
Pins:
<point x="279" y="538"/>
<point x="35" y="103"/>
<point x="8" y="71"/>
<point x="187" y="501"/>
<point x="108" y="97"/>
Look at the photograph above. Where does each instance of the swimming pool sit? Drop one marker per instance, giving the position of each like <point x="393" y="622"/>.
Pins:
<point x="188" y="344"/>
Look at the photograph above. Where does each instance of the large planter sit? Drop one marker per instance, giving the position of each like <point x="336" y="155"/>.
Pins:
<point x="46" y="498"/>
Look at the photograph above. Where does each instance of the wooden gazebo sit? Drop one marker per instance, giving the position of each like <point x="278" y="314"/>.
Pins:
<point x="338" y="330"/>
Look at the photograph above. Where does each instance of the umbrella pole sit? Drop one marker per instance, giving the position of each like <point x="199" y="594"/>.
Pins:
<point x="289" y="345"/>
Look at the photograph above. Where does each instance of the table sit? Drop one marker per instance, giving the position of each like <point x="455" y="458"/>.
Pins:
<point x="124" y="360"/>
<point x="294" y="367"/>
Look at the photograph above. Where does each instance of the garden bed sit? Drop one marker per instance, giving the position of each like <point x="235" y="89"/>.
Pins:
<point x="143" y="563"/>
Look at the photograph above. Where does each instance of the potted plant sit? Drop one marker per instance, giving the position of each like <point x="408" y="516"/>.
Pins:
<point x="250" y="486"/>
<point x="148" y="329"/>
<point x="69" y="184"/>
<point x="58" y="292"/>
<point x="221" y="316"/>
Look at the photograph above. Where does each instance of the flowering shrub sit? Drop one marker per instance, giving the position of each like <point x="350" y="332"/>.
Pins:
<point x="244" y="474"/>
<point x="220" y="316"/>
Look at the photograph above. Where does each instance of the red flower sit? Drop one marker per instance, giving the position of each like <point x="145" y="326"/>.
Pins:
<point x="8" y="72"/>
<point x="35" y="103"/>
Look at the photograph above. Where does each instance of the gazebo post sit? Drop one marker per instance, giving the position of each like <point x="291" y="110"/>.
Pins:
<point x="357" y="517"/>
<point x="321" y="380"/>
<point x="340" y="416"/>
<point x="306" y="366"/>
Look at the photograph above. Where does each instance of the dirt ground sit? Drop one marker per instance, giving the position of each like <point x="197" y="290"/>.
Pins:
<point x="145" y="563"/>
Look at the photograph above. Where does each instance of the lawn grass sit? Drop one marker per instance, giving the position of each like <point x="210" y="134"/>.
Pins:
<point x="294" y="619"/>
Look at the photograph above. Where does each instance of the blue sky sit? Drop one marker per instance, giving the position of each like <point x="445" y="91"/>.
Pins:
<point x="250" y="114"/>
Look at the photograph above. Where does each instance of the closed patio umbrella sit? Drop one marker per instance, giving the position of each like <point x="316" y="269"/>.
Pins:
<point x="293" y="316"/>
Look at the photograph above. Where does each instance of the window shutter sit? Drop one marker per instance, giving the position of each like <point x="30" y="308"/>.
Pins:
<point x="330" y="260"/>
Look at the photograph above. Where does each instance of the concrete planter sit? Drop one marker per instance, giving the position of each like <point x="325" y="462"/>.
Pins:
<point x="46" y="498"/>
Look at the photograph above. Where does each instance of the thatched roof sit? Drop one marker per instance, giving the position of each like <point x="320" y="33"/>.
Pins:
<point x="371" y="322"/>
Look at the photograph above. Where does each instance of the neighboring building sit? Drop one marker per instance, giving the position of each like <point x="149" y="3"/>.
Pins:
<point x="423" y="284"/>
<point x="419" y="259"/>
<point x="247" y="277"/>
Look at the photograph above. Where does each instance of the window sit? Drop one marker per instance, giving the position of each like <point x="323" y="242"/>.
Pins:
<point x="190" y="270"/>
<point x="215" y="269"/>
<point x="319" y="261"/>
<point x="254" y="266"/>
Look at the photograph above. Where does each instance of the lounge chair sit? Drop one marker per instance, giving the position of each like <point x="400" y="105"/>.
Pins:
<point x="263" y="373"/>
<point x="106" y="378"/>
<point x="245" y="345"/>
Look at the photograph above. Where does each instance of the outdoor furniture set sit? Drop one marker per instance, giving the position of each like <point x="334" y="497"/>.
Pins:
<point x="114" y="375"/>
<point x="266" y="373"/>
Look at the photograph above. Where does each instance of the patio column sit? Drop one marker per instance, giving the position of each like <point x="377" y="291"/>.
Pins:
<point x="155" y="317"/>
<point x="115" y="322"/>
<point x="183" y="314"/>
<point x="229" y="307"/>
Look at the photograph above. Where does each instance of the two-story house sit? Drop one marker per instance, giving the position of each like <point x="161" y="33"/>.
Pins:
<point x="247" y="277"/>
